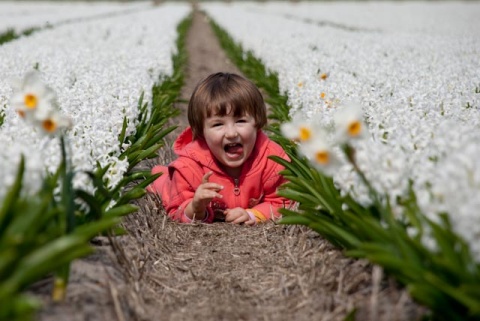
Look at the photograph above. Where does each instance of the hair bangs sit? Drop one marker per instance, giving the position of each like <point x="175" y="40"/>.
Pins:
<point x="229" y="104"/>
<point x="225" y="94"/>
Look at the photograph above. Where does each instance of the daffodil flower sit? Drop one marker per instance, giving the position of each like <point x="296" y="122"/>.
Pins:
<point x="349" y="123"/>
<point x="299" y="129"/>
<point x="321" y="154"/>
<point x="54" y="122"/>
<point x="37" y="103"/>
<point x="32" y="98"/>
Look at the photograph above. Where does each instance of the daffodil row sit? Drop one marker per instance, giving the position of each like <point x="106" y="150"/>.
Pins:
<point x="24" y="15"/>
<point x="418" y="88"/>
<point x="98" y="71"/>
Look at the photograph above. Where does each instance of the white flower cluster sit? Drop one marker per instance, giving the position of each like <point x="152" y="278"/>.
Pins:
<point x="318" y="143"/>
<point x="419" y="87"/>
<point x="98" y="70"/>
<point x="23" y="15"/>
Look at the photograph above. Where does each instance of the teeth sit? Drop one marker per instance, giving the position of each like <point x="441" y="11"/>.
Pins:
<point x="231" y="145"/>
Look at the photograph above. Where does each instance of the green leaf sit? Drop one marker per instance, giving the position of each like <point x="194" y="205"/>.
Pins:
<point x="6" y="213"/>
<point x="95" y="206"/>
<point x="121" y="137"/>
<point x="298" y="219"/>
<point x="55" y="254"/>
<point x="348" y="240"/>
<point x="134" y="193"/>
<point x="469" y="301"/>
<point x="121" y="210"/>
<point x="145" y="175"/>
<point x="298" y="196"/>
<point x="148" y="153"/>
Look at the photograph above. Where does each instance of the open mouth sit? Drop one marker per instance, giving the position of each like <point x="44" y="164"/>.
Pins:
<point x="234" y="148"/>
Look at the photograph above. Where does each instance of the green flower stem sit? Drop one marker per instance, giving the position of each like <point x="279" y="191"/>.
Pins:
<point x="60" y="282"/>
<point x="62" y="275"/>
<point x="350" y="153"/>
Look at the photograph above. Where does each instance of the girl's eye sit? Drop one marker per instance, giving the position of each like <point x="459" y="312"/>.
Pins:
<point x="241" y="121"/>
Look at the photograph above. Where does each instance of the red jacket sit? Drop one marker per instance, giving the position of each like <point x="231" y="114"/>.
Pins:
<point x="254" y="189"/>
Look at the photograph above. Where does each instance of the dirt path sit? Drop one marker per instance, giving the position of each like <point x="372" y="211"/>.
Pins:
<point x="163" y="270"/>
<point x="205" y="56"/>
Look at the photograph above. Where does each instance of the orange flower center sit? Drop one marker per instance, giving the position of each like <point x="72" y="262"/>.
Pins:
<point x="324" y="76"/>
<point x="354" y="128"/>
<point x="322" y="157"/>
<point x="322" y="95"/>
<point x="31" y="101"/>
<point x="305" y="133"/>
<point x="49" y="125"/>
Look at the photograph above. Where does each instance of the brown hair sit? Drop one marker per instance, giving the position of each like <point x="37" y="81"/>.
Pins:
<point x="221" y="93"/>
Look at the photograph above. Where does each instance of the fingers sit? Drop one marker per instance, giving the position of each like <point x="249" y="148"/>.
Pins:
<point x="208" y="191"/>
<point x="238" y="216"/>
<point x="244" y="220"/>
<point x="239" y="220"/>
<point x="206" y="177"/>
<point x="206" y="194"/>
<point x="212" y="186"/>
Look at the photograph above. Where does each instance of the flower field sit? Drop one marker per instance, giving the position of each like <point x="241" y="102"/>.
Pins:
<point x="82" y="101"/>
<point x="21" y="16"/>
<point x="378" y="106"/>
<point x="384" y="121"/>
<point x="417" y="77"/>
<point x="99" y="69"/>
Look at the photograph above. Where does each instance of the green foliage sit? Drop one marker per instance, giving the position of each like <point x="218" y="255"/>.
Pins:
<point x="2" y="117"/>
<point x="445" y="279"/>
<point x="10" y="34"/>
<point x="7" y="36"/>
<point x="33" y="242"/>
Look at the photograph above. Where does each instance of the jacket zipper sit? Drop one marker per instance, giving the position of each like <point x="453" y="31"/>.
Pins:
<point x="236" y="188"/>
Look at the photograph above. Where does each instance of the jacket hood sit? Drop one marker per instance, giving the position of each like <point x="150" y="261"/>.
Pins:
<point x="198" y="150"/>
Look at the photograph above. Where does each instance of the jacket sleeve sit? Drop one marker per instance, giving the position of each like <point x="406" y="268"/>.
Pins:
<point x="272" y="180"/>
<point x="184" y="181"/>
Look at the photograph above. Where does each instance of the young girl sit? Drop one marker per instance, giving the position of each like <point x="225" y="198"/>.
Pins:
<point x="222" y="171"/>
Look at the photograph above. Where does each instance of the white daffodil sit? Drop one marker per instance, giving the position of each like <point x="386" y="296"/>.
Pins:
<point x="320" y="153"/>
<point x="299" y="129"/>
<point x="349" y="122"/>
<point x="37" y="103"/>
<point x="53" y="122"/>
<point x="32" y="98"/>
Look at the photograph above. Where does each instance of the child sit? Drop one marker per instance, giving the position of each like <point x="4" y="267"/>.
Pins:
<point x="222" y="171"/>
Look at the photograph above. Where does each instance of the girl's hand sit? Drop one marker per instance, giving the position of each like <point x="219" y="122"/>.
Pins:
<point x="238" y="215"/>
<point x="204" y="194"/>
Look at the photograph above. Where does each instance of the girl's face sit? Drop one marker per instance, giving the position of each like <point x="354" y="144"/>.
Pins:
<point x="231" y="140"/>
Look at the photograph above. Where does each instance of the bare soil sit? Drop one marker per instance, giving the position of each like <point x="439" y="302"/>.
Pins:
<point x="163" y="270"/>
